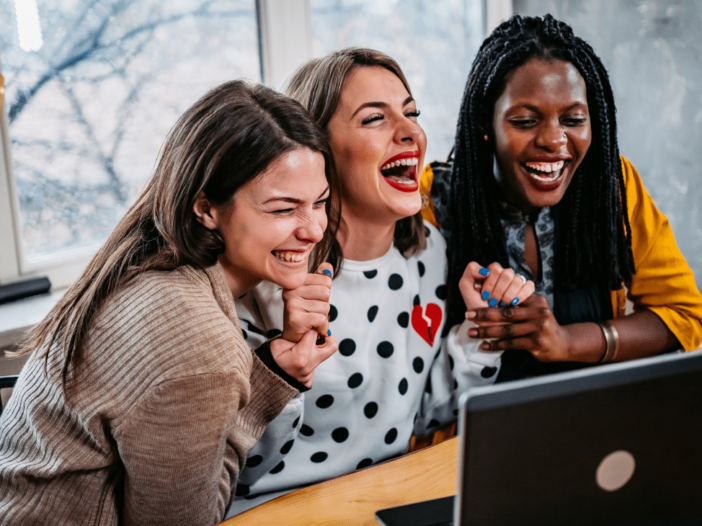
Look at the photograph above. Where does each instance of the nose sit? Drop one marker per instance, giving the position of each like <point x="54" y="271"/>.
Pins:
<point x="551" y="136"/>
<point x="311" y="228"/>
<point x="408" y="132"/>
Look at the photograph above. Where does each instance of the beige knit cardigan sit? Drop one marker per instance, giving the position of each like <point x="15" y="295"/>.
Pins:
<point x="156" y="427"/>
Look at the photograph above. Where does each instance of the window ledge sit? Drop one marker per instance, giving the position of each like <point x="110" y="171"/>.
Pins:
<point x="18" y="317"/>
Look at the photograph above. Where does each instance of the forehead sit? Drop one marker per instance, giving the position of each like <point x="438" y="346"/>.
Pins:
<point x="371" y="84"/>
<point x="541" y="81"/>
<point x="295" y="173"/>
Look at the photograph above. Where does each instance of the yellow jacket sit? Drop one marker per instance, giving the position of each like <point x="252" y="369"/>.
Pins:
<point x="663" y="283"/>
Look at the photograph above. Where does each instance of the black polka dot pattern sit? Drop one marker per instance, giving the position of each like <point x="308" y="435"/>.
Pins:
<point x="403" y="319"/>
<point x="487" y="372"/>
<point x="287" y="447"/>
<point x="395" y="282"/>
<point x="441" y="292"/>
<point x="372" y="313"/>
<point x="246" y="336"/>
<point x="306" y="430"/>
<point x="355" y="380"/>
<point x="340" y="434"/>
<point x="402" y="387"/>
<point x="427" y="232"/>
<point x="297" y="421"/>
<point x="451" y="362"/>
<point x="416" y="301"/>
<point x="370" y="274"/>
<point x="385" y="349"/>
<point x="421" y="268"/>
<point x="370" y="410"/>
<point x="242" y="490"/>
<point x="278" y="468"/>
<point x="254" y="461"/>
<point x="418" y="365"/>
<point x="325" y="401"/>
<point x="427" y="388"/>
<point x="347" y="347"/>
<point x="318" y="457"/>
<point x="364" y="463"/>
<point x="333" y="313"/>
<point x="254" y="329"/>
<point x="391" y="436"/>
<point x="274" y="332"/>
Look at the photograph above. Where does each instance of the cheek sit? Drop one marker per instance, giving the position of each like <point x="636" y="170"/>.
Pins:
<point x="322" y="220"/>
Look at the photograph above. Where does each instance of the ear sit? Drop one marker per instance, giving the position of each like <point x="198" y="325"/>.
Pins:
<point x="205" y="213"/>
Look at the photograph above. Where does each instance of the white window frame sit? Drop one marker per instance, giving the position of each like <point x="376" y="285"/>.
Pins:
<point x="285" y="42"/>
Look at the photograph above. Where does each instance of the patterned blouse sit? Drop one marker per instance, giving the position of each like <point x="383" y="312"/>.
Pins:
<point x="514" y="225"/>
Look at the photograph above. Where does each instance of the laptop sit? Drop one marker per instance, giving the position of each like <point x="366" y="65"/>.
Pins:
<point x="617" y="444"/>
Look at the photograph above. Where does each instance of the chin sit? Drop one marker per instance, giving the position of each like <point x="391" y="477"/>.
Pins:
<point x="290" y="280"/>
<point x="408" y="208"/>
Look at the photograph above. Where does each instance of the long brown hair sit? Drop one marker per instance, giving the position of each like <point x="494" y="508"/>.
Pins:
<point x="225" y="140"/>
<point x="318" y="85"/>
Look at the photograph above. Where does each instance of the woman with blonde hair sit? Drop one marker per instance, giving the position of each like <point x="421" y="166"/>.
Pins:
<point x="400" y="368"/>
<point x="141" y="397"/>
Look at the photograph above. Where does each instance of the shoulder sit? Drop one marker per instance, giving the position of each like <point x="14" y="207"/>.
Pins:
<point x="435" y="242"/>
<point x="639" y="202"/>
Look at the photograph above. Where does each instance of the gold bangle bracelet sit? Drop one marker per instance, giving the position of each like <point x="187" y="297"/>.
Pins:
<point x="611" y="337"/>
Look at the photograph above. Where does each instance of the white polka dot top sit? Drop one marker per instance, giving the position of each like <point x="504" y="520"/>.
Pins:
<point x="393" y="375"/>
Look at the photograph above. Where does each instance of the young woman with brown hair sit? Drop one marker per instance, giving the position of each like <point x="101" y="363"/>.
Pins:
<point x="142" y="398"/>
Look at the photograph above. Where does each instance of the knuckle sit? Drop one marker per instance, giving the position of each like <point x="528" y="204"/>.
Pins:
<point x="508" y="312"/>
<point x="507" y="330"/>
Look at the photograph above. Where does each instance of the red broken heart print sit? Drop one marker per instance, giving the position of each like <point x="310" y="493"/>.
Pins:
<point x="420" y="325"/>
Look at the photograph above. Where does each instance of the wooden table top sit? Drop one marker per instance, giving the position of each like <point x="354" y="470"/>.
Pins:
<point x="353" y="499"/>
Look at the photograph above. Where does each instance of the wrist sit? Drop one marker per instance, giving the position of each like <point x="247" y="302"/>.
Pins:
<point x="586" y="342"/>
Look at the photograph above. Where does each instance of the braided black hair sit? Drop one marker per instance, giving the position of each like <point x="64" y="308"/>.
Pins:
<point x="592" y="241"/>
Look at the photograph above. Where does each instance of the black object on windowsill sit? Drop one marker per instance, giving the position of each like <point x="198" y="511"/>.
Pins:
<point x="24" y="289"/>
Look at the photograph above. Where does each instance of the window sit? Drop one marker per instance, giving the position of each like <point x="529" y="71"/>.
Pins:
<point x="93" y="86"/>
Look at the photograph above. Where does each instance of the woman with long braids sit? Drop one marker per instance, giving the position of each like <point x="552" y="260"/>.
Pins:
<point x="536" y="183"/>
<point x="142" y="398"/>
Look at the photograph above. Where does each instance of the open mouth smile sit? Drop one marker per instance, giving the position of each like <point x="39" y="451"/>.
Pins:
<point x="289" y="255"/>
<point x="546" y="175"/>
<point x="400" y="171"/>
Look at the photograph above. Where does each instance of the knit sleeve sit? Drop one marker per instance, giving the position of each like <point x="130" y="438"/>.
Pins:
<point x="182" y="450"/>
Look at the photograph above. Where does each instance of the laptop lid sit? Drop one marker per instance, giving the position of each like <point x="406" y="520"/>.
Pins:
<point x="617" y="444"/>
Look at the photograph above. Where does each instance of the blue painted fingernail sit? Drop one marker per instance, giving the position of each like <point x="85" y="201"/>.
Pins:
<point x="484" y="271"/>
<point x="327" y="272"/>
<point x="502" y="304"/>
<point x="486" y="295"/>
<point x="515" y="301"/>
<point x="328" y="332"/>
<point x="493" y="302"/>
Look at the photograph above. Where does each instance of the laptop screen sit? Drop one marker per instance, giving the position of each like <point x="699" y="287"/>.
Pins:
<point x="618" y="444"/>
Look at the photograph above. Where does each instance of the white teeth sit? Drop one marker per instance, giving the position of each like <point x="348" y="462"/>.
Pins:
<point x="413" y="161"/>
<point x="546" y="167"/>
<point x="289" y="256"/>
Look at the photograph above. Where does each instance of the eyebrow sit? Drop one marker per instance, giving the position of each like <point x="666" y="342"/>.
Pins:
<point x="536" y="109"/>
<point x="380" y="105"/>
<point x="293" y="200"/>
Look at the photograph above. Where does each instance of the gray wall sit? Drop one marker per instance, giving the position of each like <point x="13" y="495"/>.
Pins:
<point x="653" y="51"/>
